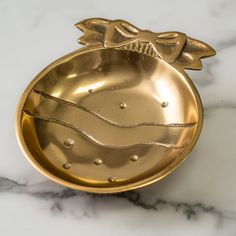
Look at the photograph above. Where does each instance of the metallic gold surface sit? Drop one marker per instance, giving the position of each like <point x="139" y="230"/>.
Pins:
<point x="117" y="114"/>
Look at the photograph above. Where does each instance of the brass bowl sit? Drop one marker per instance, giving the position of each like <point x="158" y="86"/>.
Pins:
<point x="111" y="117"/>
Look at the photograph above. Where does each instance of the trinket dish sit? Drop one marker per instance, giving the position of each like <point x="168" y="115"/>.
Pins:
<point x="119" y="113"/>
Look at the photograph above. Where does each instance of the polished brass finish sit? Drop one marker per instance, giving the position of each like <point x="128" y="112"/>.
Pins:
<point x="67" y="165"/>
<point x="164" y="104"/>
<point x="69" y="143"/>
<point x="134" y="158"/>
<point x="116" y="115"/>
<point x="97" y="162"/>
<point x="123" y="105"/>
<point x="111" y="179"/>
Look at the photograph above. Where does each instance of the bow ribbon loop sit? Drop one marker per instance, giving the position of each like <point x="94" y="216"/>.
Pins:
<point x="173" y="47"/>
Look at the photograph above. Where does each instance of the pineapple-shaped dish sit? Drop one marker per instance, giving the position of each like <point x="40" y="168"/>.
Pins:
<point x="117" y="114"/>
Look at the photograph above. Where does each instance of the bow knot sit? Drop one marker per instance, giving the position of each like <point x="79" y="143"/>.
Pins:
<point x="173" y="47"/>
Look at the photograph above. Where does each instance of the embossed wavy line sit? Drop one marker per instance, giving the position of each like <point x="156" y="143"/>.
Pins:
<point x="93" y="140"/>
<point x="59" y="100"/>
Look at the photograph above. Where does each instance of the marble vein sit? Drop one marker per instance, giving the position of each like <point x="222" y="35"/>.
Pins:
<point x="226" y="44"/>
<point x="189" y="210"/>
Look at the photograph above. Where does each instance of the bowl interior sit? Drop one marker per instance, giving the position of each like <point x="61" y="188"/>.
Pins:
<point x="109" y="119"/>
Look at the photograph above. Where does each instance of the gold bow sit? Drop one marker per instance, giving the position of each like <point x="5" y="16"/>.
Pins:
<point x="173" y="47"/>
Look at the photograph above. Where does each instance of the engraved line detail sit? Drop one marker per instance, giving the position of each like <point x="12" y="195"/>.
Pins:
<point x="93" y="140"/>
<point x="146" y="48"/>
<point x="147" y="123"/>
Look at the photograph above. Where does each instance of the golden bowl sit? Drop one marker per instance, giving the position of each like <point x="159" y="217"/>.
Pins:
<point x="116" y="115"/>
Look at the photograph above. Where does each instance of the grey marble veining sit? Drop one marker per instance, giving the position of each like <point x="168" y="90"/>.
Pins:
<point x="190" y="210"/>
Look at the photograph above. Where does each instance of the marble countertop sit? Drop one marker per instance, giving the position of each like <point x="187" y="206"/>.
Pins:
<point x="199" y="198"/>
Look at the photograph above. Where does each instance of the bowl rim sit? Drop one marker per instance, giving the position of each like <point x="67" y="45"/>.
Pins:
<point x="111" y="189"/>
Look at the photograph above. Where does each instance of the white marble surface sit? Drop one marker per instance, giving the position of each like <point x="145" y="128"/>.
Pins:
<point x="199" y="198"/>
